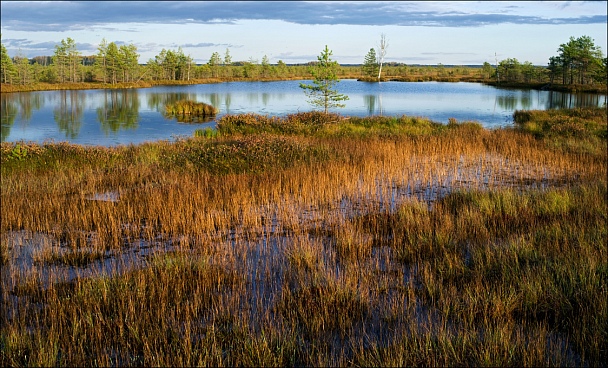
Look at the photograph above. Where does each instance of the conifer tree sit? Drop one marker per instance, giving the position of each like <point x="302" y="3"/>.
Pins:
<point x="321" y="93"/>
<point x="7" y="69"/>
<point x="370" y="63"/>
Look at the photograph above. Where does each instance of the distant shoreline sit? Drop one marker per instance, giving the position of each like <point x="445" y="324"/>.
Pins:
<point x="571" y="88"/>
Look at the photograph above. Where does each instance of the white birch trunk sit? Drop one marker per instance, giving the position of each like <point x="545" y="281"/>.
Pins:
<point x="382" y="53"/>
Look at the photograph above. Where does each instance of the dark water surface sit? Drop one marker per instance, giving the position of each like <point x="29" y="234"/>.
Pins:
<point x="113" y="117"/>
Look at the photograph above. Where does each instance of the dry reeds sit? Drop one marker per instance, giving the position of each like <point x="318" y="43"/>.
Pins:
<point x="382" y="241"/>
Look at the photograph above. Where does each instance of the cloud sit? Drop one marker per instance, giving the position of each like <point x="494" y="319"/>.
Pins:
<point x="77" y="15"/>
<point x="290" y="57"/>
<point x="205" y="44"/>
<point x="22" y="43"/>
<point x="447" y="53"/>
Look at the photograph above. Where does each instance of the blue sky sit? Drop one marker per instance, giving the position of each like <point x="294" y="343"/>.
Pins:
<point x="419" y="32"/>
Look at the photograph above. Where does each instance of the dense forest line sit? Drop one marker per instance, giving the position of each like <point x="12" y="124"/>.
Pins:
<point x="580" y="64"/>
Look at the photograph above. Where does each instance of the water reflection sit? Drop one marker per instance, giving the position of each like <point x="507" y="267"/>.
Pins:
<point x="525" y="101"/>
<point x="20" y="106"/>
<point x="265" y="98"/>
<point x="560" y="100"/>
<point x="227" y="102"/>
<point x="370" y="104"/>
<point x="108" y="117"/>
<point x="507" y="102"/>
<point x="8" y="113"/>
<point x="68" y="114"/>
<point x="253" y="98"/>
<point x="158" y="101"/>
<point x="214" y="99"/>
<point x="120" y="110"/>
<point x="28" y="103"/>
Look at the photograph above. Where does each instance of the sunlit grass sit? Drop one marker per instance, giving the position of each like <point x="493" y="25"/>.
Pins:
<point x="310" y="240"/>
<point x="571" y="130"/>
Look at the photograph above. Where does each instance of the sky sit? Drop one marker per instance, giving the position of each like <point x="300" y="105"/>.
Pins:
<point x="417" y="32"/>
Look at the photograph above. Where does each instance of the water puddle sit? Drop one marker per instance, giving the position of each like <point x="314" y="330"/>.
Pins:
<point x="104" y="197"/>
<point x="38" y="257"/>
<point x="264" y="253"/>
<point x="41" y="255"/>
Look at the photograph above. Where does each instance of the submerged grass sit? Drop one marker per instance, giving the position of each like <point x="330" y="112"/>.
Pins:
<point x="313" y="240"/>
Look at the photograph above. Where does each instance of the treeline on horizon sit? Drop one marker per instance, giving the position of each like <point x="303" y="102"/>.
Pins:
<point x="578" y="62"/>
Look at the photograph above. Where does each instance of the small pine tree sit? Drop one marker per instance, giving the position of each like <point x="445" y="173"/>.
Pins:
<point x="321" y="92"/>
<point x="370" y="64"/>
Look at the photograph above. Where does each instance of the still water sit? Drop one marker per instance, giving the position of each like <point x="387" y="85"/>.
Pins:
<point x="131" y="116"/>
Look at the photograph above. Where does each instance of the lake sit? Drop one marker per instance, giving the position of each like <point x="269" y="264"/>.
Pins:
<point x="132" y="116"/>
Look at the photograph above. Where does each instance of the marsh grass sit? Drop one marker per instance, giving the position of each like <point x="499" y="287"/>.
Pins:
<point x="572" y="130"/>
<point x="330" y="124"/>
<point x="190" y="111"/>
<point x="310" y="240"/>
<point x="206" y="133"/>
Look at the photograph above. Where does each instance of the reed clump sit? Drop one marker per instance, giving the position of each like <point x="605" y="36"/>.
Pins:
<point x="569" y="129"/>
<point x="308" y="240"/>
<point x="188" y="111"/>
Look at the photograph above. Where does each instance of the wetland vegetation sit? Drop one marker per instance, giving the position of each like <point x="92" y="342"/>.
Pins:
<point x="190" y="111"/>
<point x="312" y="239"/>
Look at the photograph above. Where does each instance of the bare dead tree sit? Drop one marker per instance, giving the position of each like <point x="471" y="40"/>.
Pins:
<point x="382" y="52"/>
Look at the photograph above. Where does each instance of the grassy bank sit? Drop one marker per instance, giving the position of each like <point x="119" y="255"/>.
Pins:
<point x="41" y="86"/>
<point x="313" y="239"/>
<point x="571" y="88"/>
<point x="421" y="77"/>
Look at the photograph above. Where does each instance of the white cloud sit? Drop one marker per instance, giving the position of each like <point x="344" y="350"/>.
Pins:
<point x="295" y="31"/>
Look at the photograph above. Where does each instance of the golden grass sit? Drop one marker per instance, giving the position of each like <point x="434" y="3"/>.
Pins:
<point x="390" y="242"/>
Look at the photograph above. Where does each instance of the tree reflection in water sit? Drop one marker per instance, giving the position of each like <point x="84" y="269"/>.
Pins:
<point x="135" y="115"/>
<point x="8" y="112"/>
<point x="17" y="104"/>
<point x="68" y="113"/>
<point x="120" y="110"/>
